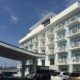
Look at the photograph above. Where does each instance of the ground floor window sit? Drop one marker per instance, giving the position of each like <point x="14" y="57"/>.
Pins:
<point x="43" y="62"/>
<point x="76" y="68"/>
<point x="63" y="68"/>
<point x="51" y="61"/>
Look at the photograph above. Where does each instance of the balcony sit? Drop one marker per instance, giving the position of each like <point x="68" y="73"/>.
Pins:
<point x="35" y="41"/>
<point x="61" y="38"/>
<point x="50" y="34"/>
<point x="51" y="52"/>
<point x="59" y="28"/>
<point x="42" y="46"/>
<point x="35" y="50"/>
<point x="50" y="43"/>
<point x="73" y="21"/>
<point x="61" y="49"/>
<point x="30" y="43"/>
<point x="42" y="38"/>
<point x="76" y="60"/>
<point x="75" y="45"/>
<point x="62" y="61"/>
<point x="75" y="33"/>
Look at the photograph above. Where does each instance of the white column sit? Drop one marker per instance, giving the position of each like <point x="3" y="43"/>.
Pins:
<point x="56" y="62"/>
<point x="23" y="69"/>
<point x="34" y="65"/>
<point x="70" y="68"/>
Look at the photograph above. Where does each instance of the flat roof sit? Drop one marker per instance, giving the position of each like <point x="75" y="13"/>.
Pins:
<point x="16" y="53"/>
<point x="58" y="18"/>
<point x="43" y="19"/>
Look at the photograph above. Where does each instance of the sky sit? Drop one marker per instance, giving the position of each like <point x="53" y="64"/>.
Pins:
<point x="17" y="16"/>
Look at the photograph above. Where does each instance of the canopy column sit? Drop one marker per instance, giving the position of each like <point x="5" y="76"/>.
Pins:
<point x="34" y="65"/>
<point x="23" y="69"/>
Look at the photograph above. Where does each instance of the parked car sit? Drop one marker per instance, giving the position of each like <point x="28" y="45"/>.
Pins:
<point x="61" y="76"/>
<point x="30" y="76"/>
<point x="44" y="74"/>
<point x="74" y="76"/>
<point x="55" y="76"/>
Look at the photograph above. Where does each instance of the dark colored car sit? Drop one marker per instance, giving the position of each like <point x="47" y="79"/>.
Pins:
<point x="74" y="76"/>
<point x="7" y="75"/>
<point x="44" y="74"/>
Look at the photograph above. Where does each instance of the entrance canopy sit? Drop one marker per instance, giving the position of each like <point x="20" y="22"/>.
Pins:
<point x="16" y="53"/>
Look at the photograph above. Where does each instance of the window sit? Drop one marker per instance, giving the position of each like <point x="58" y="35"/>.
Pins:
<point x="43" y="62"/>
<point x="45" y="23"/>
<point x="31" y="46"/>
<point x="51" y="30"/>
<point x="75" y="43"/>
<point x="59" y="26"/>
<point x="43" y="51"/>
<point x="61" y="46"/>
<point x="51" y="50"/>
<point x="62" y="58"/>
<point x="73" y="18"/>
<point x="26" y="47"/>
<point x="51" y="61"/>
<point x="74" y="29"/>
<point x="36" y="38"/>
<point x="61" y="35"/>
<point x="64" y="69"/>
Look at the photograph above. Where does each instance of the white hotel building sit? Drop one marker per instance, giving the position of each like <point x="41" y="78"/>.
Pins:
<point x="57" y="36"/>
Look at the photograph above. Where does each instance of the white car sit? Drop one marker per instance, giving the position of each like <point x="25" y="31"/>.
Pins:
<point x="61" y="76"/>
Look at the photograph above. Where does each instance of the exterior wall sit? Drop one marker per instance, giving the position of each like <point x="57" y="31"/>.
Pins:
<point x="57" y="41"/>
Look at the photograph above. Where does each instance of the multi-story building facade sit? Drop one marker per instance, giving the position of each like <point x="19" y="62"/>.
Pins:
<point x="57" y="36"/>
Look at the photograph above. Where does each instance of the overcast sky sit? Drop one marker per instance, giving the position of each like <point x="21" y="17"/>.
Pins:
<point x="17" y="16"/>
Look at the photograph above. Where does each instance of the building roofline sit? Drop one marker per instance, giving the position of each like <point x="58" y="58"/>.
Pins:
<point x="43" y="19"/>
<point x="59" y="16"/>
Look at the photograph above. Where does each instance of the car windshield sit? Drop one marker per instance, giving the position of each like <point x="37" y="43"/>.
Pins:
<point x="66" y="73"/>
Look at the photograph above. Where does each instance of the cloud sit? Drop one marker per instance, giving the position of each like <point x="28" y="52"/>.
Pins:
<point x="13" y="19"/>
<point x="12" y="16"/>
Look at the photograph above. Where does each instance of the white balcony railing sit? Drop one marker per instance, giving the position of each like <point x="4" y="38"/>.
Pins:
<point x="74" y="33"/>
<point x="70" y="22"/>
<point x="42" y="46"/>
<point x="75" y="44"/>
<point x="35" y="41"/>
<point x="51" y="51"/>
<point x="60" y="27"/>
<point x="74" y="30"/>
<point x="62" y="61"/>
<point x="50" y="42"/>
<point x="61" y="49"/>
<point x="35" y="50"/>
<point x="60" y="37"/>
<point x="50" y="34"/>
<point x="73" y="21"/>
<point x="42" y="38"/>
<point x="76" y="59"/>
